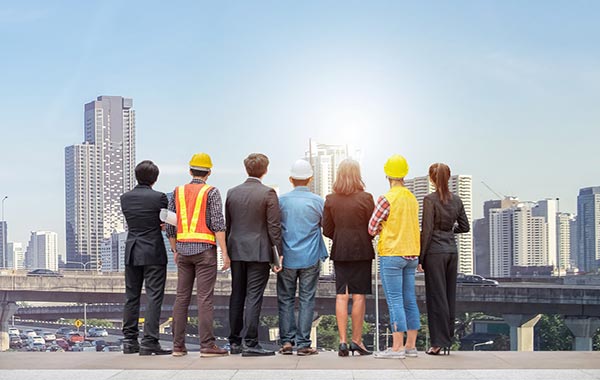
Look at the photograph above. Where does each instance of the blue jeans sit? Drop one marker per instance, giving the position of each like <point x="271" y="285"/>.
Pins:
<point x="307" y="279"/>
<point x="398" y="280"/>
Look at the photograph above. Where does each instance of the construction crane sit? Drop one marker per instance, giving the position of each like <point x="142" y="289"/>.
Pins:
<point x="492" y="190"/>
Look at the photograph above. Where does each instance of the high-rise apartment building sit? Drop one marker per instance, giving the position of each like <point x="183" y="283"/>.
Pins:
<point x="4" y="261"/>
<point x="461" y="185"/>
<point x="325" y="159"/>
<point x="518" y="240"/>
<point x="42" y="250"/>
<point x="588" y="228"/>
<point x="97" y="172"/>
<point x="548" y="209"/>
<point x="573" y="231"/>
<point x="564" y="221"/>
<point x="16" y="255"/>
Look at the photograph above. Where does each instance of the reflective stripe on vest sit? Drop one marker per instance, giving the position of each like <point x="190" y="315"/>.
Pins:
<point x="186" y="231"/>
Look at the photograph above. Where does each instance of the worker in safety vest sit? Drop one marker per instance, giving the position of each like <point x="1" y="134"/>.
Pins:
<point x="200" y="226"/>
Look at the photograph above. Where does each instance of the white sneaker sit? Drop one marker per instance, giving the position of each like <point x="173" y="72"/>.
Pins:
<point x="389" y="354"/>
<point x="411" y="353"/>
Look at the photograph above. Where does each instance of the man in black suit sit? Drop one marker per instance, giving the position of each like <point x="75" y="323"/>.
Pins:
<point x="253" y="228"/>
<point x="145" y="261"/>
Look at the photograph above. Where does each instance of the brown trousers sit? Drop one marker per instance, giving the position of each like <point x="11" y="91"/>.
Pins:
<point x="202" y="268"/>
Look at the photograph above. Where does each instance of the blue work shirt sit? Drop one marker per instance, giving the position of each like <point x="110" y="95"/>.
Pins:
<point x="301" y="217"/>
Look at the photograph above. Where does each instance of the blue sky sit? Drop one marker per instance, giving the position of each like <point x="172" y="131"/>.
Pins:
<point x="506" y="91"/>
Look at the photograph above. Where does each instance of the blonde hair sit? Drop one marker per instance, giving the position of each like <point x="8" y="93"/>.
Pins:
<point x="348" y="179"/>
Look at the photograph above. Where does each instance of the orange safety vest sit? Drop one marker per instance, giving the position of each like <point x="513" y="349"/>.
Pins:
<point x="191" y="201"/>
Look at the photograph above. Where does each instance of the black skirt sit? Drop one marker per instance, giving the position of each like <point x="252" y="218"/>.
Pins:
<point x="353" y="276"/>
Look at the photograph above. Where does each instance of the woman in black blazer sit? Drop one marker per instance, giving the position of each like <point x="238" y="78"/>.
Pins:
<point x="443" y="216"/>
<point x="345" y="221"/>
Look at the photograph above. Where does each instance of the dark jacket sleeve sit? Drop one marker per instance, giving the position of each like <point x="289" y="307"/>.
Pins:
<point x="462" y="225"/>
<point x="227" y="217"/>
<point x="274" y="219"/>
<point x="426" y="228"/>
<point x="328" y="224"/>
<point x="370" y="208"/>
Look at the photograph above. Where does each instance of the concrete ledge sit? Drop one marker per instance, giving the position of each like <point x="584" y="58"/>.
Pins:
<point x="457" y="360"/>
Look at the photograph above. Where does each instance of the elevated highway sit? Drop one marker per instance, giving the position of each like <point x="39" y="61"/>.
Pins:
<point x="519" y="304"/>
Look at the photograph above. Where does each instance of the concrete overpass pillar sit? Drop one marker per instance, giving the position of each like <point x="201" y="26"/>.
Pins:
<point x="7" y="310"/>
<point x="583" y="329"/>
<point x="521" y="330"/>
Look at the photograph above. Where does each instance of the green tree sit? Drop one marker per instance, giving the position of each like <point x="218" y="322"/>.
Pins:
<point x="552" y="334"/>
<point x="328" y="336"/>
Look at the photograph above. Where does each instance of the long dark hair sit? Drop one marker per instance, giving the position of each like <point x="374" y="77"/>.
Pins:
<point x="440" y="174"/>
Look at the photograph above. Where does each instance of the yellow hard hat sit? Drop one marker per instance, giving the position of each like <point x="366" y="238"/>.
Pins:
<point x="201" y="161"/>
<point x="396" y="167"/>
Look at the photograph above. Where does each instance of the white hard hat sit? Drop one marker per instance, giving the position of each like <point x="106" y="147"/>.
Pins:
<point x="301" y="169"/>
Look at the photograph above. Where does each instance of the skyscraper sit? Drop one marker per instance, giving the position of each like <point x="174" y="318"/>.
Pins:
<point x="548" y="209"/>
<point x="588" y="228"/>
<point x="461" y="185"/>
<point x="16" y="253"/>
<point x="42" y="250"/>
<point x="3" y="245"/>
<point x="325" y="159"/>
<point x="564" y="221"/>
<point x="97" y="172"/>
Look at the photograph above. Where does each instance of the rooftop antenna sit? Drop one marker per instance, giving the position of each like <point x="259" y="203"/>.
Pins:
<point x="492" y="190"/>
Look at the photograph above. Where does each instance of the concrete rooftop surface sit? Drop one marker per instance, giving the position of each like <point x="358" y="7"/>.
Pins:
<point x="499" y="365"/>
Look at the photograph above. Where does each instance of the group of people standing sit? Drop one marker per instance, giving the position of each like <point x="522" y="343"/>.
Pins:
<point x="261" y="232"/>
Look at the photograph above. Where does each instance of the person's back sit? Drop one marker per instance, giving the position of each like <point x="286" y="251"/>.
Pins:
<point x="301" y="218"/>
<point x="441" y="221"/>
<point x="141" y="207"/>
<point x="249" y="221"/>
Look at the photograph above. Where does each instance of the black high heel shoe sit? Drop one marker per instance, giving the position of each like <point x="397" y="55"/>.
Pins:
<point x="361" y="351"/>
<point x="343" y="350"/>
<point x="438" y="350"/>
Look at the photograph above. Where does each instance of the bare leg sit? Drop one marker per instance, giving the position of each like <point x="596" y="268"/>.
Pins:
<point x="341" y="314"/>
<point x="358" y="317"/>
<point x="398" y="341"/>
<point x="411" y="339"/>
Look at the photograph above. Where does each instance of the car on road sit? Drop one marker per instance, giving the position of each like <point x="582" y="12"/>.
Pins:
<point x="36" y="339"/>
<point x="13" y="330"/>
<point x="112" y="349"/>
<point x="97" y="331"/>
<point x="74" y="337"/>
<point x="99" y="344"/>
<point x="36" y="346"/>
<point x="15" y="341"/>
<point x="83" y="346"/>
<point x="474" y="280"/>
<point x="54" y="348"/>
<point x="48" y="336"/>
<point x="64" y="330"/>
<point x="44" y="273"/>
<point x="62" y="344"/>
<point x="30" y="333"/>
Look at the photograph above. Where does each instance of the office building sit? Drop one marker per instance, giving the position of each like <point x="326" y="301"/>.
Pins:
<point x="4" y="260"/>
<point x="16" y="255"/>
<point x="461" y="185"/>
<point x="588" y="229"/>
<point x="325" y="159"/>
<point x="481" y="235"/>
<point x="564" y="221"/>
<point x="97" y="172"/>
<point x="42" y="250"/>
<point x="548" y="209"/>
<point x="573" y="232"/>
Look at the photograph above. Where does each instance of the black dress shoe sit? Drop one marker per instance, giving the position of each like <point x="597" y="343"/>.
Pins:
<point x="235" y="349"/>
<point x="256" y="351"/>
<point x="131" y="346"/>
<point x="154" y="350"/>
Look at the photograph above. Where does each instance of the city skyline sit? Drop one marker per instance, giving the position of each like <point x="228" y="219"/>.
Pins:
<point x="512" y="106"/>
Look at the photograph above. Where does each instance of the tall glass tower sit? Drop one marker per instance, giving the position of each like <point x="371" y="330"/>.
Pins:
<point x="97" y="172"/>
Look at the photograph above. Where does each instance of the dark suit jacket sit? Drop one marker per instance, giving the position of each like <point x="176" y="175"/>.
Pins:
<point x="144" y="244"/>
<point x="253" y="222"/>
<point x="346" y="222"/>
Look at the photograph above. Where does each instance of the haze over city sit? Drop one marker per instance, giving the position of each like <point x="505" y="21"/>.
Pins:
<point x="505" y="92"/>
